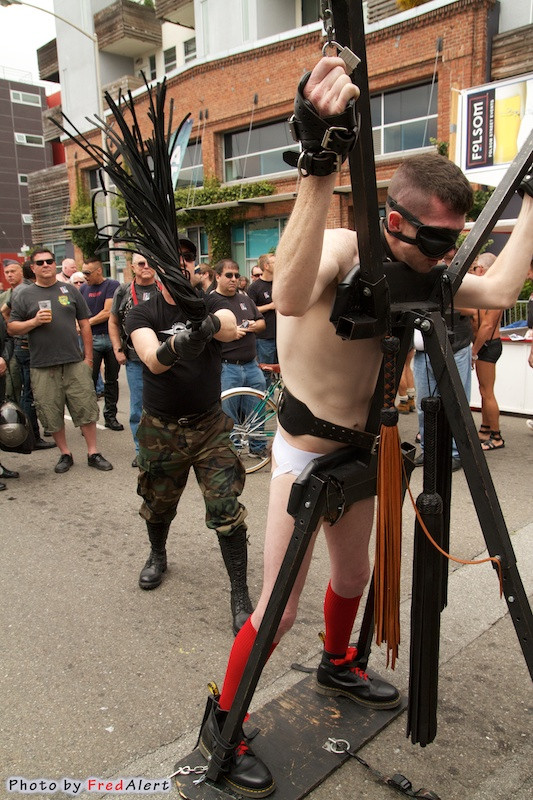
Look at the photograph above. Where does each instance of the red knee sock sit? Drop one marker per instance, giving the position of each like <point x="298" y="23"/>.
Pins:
<point x="238" y="657"/>
<point x="339" y="614"/>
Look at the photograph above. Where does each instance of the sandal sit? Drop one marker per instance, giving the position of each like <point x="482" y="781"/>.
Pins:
<point x="494" y="442"/>
<point x="484" y="433"/>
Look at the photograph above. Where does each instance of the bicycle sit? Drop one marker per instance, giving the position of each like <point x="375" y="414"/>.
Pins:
<point x="256" y="411"/>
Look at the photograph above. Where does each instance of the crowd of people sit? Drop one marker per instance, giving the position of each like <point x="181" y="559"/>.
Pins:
<point x="71" y="322"/>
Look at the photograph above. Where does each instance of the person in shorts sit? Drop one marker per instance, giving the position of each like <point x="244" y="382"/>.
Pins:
<point x="47" y="311"/>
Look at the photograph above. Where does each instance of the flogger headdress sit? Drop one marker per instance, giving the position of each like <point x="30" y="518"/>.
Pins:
<point x="140" y="170"/>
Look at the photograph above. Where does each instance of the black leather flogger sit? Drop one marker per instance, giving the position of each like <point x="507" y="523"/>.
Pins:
<point x="326" y="141"/>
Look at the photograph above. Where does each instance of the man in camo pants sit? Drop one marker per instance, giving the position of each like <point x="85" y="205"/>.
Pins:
<point x="183" y="426"/>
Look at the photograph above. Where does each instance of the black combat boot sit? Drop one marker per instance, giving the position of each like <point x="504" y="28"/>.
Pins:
<point x="341" y="676"/>
<point x="152" y="572"/>
<point x="243" y="771"/>
<point x="235" y="555"/>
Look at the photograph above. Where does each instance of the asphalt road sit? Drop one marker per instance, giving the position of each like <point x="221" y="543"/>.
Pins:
<point x="102" y="679"/>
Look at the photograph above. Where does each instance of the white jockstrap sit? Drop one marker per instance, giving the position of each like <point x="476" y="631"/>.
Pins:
<point x="289" y="459"/>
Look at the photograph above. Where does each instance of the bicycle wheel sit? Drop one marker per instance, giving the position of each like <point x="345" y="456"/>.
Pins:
<point x="254" y="425"/>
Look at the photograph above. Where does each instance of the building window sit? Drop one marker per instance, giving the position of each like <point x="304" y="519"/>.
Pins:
<point x="404" y="119"/>
<point x="189" y="49"/>
<point x="152" y="71"/>
<point x="248" y="154"/>
<point x="27" y="219"/>
<point x="26" y="98"/>
<point x="30" y="139"/>
<point x="192" y="170"/>
<point x="23" y="179"/>
<point x="170" y="59"/>
<point x="310" y="11"/>
<point x="251" y="239"/>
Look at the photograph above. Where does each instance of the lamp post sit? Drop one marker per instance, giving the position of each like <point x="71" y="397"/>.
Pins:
<point x="96" y="55"/>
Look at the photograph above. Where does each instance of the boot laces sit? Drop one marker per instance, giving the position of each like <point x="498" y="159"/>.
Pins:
<point x="351" y="655"/>
<point x="241" y="748"/>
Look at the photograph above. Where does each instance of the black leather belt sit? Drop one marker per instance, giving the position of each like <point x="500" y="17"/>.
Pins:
<point x="298" y="420"/>
<point x="239" y="363"/>
<point x="190" y="420"/>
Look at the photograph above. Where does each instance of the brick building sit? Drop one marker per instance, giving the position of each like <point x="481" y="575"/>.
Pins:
<point x="240" y="100"/>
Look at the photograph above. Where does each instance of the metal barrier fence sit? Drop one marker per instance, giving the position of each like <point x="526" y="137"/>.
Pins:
<point x="518" y="313"/>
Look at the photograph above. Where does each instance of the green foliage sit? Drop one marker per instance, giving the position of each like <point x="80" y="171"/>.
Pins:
<point x="80" y="214"/>
<point x="481" y="197"/>
<point x="218" y="221"/>
<point x="443" y="148"/>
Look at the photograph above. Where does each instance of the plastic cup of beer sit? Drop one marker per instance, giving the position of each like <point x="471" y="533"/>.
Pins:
<point x="46" y="305"/>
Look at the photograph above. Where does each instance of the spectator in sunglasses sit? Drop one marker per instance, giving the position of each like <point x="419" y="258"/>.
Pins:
<point x="330" y="384"/>
<point x="239" y="361"/>
<point x="77" y="279"/>
<point x="48" y="311"/>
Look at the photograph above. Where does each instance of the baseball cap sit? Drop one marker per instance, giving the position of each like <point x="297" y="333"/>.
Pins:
<point x="186" y="244"/>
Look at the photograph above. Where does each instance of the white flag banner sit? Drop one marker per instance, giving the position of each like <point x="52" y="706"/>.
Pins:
<point x="494" y="122"/>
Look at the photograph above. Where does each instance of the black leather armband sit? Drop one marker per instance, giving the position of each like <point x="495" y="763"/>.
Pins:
<point x="326" y="141"/>
<point x="526" y="186"/>
<point x="165" y="354"/>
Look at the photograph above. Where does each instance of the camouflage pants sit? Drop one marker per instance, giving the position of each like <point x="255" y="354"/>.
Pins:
<point x="167" y="451"/>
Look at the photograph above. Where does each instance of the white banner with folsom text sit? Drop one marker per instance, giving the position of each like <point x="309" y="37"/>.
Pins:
<point x="494" y="121"/>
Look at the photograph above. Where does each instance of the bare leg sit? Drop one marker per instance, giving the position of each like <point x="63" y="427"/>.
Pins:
<point x="490" y="412"/>
<point x="60" y="438"/>
<point x="89" y="432"/>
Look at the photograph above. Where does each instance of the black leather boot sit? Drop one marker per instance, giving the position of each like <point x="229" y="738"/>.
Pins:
<point x="243" y="771"/>
<point x="152" y="572"/>
<point x="341" y="676"/>
<point x="235" y="555"/>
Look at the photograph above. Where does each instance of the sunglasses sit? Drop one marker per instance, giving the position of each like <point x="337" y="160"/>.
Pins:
<point x="188" y="257"/>
<point x="230" y="275"/>
<point x="432" y="242"/>
<point x="256" y="274"/>
<point x="87" y="272"/>
<point x="40" y="262"/>
<point x="141" y="264"/>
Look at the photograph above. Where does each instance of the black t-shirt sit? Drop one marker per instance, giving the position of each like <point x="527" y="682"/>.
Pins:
<point x="244" y="308"/>
<point x="261" y="293"/>
<point x="189" y="387"/>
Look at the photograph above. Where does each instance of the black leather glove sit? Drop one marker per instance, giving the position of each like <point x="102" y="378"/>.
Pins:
<point x="187" y="344"/>
<point x="207" y="329"/>
<point x="526" y="186"/>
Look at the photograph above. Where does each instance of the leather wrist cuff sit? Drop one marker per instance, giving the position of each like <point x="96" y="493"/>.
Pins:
<point x="326" y="141"/>
<point x="165" y="354"/>
<point x="526" y="185"/>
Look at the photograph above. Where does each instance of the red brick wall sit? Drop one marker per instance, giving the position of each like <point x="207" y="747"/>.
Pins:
<point x="397" y="56"/>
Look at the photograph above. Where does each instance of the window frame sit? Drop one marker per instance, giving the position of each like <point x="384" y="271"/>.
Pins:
<point x="290" y="144"/>
<point x="21" y="138"/>
<point x="169" y="67"/>
<point x="382" y="127"/>
<point x="23" y="102"/>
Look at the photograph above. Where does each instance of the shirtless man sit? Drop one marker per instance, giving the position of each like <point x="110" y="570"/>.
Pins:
<point x="310" y="263"/>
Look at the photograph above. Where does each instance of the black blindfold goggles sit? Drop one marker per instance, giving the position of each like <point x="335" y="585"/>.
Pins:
<point x="431" y="241"/>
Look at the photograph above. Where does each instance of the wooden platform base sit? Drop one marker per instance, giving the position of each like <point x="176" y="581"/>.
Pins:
<point x="294" y="729"/>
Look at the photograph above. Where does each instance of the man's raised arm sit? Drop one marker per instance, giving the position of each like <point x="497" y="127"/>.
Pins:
<point x="501" y="285"/>
<point x="303" y="266"/>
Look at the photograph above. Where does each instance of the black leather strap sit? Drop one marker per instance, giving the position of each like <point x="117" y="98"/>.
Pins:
<point x="326" y="141"/>
<point x="297" y="419"/>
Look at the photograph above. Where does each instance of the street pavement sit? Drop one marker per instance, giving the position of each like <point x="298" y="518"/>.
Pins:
<point x="100" y="678"/>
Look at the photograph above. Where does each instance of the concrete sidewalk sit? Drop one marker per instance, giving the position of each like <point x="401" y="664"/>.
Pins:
<point x="102" y="679"/>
